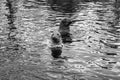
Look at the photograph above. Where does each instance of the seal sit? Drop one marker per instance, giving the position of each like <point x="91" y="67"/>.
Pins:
<point x="56" y="45"/>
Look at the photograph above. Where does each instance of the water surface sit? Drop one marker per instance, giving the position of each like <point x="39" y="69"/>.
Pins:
<point x="95" y="57"/>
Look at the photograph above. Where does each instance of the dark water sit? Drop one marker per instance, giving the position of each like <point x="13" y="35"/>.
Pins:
<point x="95" y="57"/>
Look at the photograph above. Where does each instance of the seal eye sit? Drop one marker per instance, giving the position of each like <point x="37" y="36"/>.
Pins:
<point x="58" y="35"/>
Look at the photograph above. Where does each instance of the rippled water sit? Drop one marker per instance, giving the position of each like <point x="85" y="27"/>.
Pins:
<point x="95" y="57"/>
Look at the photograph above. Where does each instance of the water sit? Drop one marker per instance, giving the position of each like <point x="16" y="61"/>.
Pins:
<point x="95" y="57"/>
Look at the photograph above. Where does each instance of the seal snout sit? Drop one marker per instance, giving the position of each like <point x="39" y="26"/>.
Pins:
<point x="56" y="38"/>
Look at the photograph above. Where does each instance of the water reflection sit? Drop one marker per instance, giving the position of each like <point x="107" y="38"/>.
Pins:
<point x="68" y="6"/>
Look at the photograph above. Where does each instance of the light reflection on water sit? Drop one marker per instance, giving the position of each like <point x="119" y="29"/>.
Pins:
<point x="96" y="57"/>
